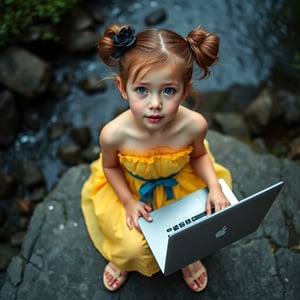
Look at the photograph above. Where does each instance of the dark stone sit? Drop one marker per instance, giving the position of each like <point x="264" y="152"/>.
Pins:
<point x="38" y="194"/>
<point x="15" y="267"/>
<point x="98" y="16"/>
<point x="232" y="123"/>
<point x="70" y="154"/>
<point x="9" y="119"/>
<point x="91" y="153"/>
<point x="80" y="41"/>
<point x="8" y="184"/>
<point x="7" y="252"/>
<point x="239" y="97"/>
<point x="77" y="19"/>
<point x="262" y="110"/>
<point x="60" y="90"/>
<point x="56" y="130"/>
<point x="92" y="84"/>
<point x="31" y="119"/>
<point x="3" y="216"/>
<point x="24" y="206"/>
<point x="291" y="105"/>
<point x="17" y="238"/>
<point x="32" y="175"/>
<point x="81" y="136"/>
<point x="156" y="17"/>
<point x="24" y="72"/>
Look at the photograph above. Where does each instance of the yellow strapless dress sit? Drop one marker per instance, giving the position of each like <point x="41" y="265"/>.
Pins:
<point x="158" y="177"/>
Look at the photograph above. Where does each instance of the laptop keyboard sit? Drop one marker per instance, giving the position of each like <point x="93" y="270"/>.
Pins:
<point x="186" y="222"/>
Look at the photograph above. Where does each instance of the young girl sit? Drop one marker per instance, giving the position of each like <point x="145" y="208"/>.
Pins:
<point x="153" y="153"/>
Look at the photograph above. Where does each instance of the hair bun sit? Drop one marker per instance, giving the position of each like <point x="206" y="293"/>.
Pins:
<point x="205" y="48"/>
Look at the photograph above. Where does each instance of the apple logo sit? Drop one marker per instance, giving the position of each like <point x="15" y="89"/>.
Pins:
<point x="221" y="232"/>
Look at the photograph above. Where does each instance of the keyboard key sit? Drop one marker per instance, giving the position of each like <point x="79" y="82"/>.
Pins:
<point x="197" y="217"/>
<point x="181" y="224"/>
<point x="188" y="221"/>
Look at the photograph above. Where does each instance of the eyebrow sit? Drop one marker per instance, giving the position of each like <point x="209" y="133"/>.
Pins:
<point x="149" y="83"/>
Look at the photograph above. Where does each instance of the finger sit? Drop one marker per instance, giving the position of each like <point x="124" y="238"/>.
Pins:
<point x="208" y="208"/>
<point x="136" y="224"/>
<point x="225" y="203"/>
<point x="148" y="208"/>
<point x="146" y="215"/>
<point x="218" y="207"/>
<point x="129" y="223"/>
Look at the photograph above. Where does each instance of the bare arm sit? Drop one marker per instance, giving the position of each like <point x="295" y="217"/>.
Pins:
<point x="202" y="164"/>
<point x="114" y="174"/>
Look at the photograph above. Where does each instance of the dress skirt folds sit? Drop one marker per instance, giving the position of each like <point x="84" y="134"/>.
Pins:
<point x="158" y="177"/>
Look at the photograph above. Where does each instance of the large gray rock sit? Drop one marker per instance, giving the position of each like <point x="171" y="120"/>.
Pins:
<point x="24" y="72"/>
<point x="58" y="260"/>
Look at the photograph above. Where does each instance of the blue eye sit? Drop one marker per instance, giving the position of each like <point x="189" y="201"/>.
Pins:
<point x="169" y="91"/>
<point x="141" y="90"/>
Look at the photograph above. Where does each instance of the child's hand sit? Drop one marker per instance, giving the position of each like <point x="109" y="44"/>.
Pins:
<point x="217" y="200"/>
<point x="134" y="210"/>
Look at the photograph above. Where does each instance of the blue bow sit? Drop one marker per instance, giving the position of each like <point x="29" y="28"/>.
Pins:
<point x="146" y="189"/>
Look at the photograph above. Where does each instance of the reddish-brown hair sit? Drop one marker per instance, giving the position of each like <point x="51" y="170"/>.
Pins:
<point x="156" y="47"/>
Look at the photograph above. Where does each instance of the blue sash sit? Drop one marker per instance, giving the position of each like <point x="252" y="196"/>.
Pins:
<point x="146" y="189"/>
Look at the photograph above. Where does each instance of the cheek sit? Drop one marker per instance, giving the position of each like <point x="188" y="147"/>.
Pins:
<point x="137" y="107"/>
<point x="172" y="107"/>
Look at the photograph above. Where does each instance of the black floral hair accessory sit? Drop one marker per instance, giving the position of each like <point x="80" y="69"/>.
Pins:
<point x="123" y="40"/>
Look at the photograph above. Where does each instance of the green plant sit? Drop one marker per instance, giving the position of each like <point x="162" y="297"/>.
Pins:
<point x="297" y="60"/>
<point x="17" y="15"/>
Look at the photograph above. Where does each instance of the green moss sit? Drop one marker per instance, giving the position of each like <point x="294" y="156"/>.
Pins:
<point x="17" y="15"/>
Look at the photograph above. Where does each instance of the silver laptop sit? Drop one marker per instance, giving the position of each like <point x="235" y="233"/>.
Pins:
<point x="181" y="233"/>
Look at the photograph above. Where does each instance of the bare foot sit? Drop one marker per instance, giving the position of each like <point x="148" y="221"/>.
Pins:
<point x="195" y="276"/>
<point x="113" y="278"/>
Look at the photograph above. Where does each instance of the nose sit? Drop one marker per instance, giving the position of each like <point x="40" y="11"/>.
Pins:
<point x="155" y="102"/>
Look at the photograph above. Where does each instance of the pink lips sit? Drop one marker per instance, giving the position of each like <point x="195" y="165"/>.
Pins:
<point x="154" y="118"/>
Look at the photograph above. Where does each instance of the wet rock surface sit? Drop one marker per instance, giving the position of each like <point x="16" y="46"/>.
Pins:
<point x="58" y="260"/>
<point x="24" y="72"/>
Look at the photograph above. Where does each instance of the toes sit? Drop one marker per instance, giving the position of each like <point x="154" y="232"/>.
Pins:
<point x="196" y="271"/>
<point x="109" y="278"/>
<point x="201" y="280"/>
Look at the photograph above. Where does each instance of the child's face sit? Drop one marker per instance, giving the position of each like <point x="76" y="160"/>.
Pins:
<point x="155" y="98"/>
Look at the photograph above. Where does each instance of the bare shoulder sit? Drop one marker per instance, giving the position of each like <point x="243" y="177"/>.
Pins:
<point x="193" y="121"/>
<point x="196" y="126"/>
<point x="112" y="134"/>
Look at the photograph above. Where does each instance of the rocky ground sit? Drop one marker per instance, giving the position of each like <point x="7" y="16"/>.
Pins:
<point x="59" y="262"/>
<point x="43" y="133"/>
